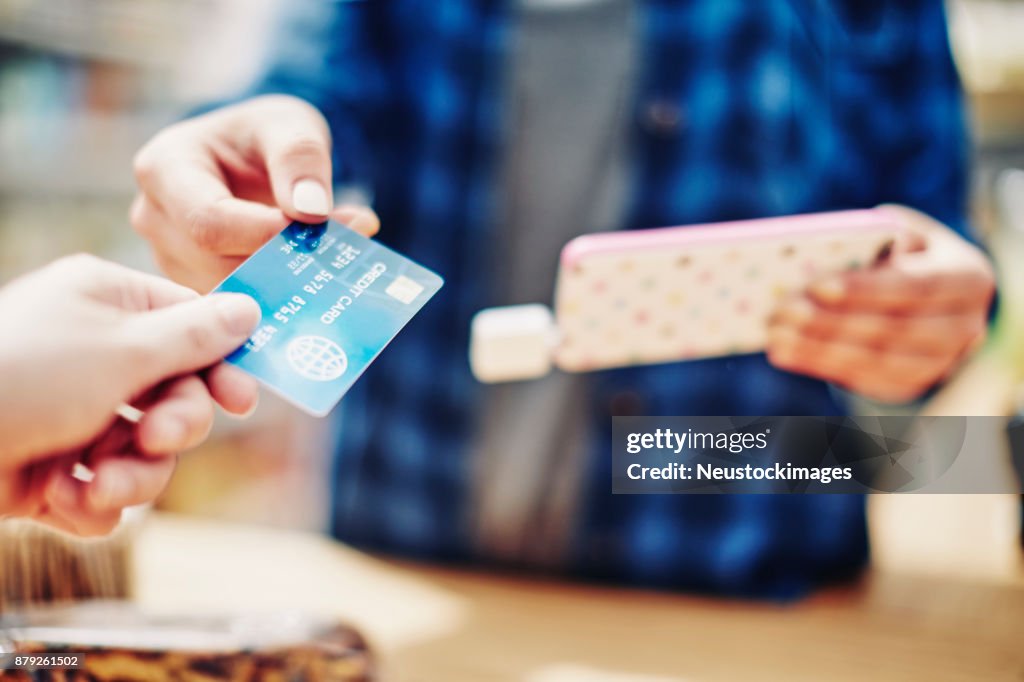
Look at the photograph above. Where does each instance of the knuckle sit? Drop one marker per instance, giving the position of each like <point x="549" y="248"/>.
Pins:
<point x="146" y="162"/>
<point x="982" y="264"/>
<point x="277" y="101"/>
<point x="144" y="166"/>
<point x="985" y="284"/>
<point x="985" y="270"/>
<point x="972" y="283"/>
<point x="198" y="337"/>
<point x="304" y="148"/>
<point x="971" y="330"/>
<point x="287" y="105"/>
<point x="140" y="217"/>
<point x="77" y="263"/>
<point x="80" y="260"/>
<point x="203" y="227"/>
<point x="149" y="161"/>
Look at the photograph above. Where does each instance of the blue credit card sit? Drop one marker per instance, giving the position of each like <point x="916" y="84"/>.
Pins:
<point x="332" y="300"/>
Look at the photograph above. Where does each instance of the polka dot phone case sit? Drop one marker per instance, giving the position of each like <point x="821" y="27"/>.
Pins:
<point x="671" y="294"/>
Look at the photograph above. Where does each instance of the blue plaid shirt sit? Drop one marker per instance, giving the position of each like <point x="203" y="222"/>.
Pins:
<point x="743" y="109"/>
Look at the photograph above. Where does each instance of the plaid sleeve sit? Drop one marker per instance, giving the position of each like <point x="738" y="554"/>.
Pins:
<point x="326" y="53"/>
<point x="920" y="117"/>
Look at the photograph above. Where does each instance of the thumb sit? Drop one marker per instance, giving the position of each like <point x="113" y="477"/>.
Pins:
<point x="187" y="337"/>
<point x="296" y="148"/>
<point x="914" y="227"/>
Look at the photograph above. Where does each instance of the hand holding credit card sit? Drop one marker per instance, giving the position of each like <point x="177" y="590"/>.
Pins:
<point x="331" y="301"/>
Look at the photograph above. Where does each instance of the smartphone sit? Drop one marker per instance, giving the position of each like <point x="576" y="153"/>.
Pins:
<point x="649" y="296"/>
<point x="678" y="293"/>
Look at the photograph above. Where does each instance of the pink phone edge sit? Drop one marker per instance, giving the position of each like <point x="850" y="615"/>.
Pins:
<point x="709" y="233"/>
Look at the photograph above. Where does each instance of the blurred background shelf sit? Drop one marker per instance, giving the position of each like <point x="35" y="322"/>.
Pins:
<point x="147" y="32"/>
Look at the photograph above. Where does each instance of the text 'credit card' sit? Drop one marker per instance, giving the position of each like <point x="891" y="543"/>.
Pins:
<point x="332" y="299"/>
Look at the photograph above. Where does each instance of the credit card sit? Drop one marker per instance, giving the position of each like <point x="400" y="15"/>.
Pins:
<point x="331" y="300"/>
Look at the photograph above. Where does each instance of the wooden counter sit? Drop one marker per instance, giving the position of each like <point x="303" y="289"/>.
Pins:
<point x="443" y="625"/>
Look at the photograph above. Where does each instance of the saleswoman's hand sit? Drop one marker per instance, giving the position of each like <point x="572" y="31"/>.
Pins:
<point x="214" y="188"/>
<point x="892" y="331"/>
<point x="80" y="337"/>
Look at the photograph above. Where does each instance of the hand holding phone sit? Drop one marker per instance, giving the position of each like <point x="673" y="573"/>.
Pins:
<point x="885" y="302"/>
<point x="670" y="294"/>
<point x="892" y="331"/>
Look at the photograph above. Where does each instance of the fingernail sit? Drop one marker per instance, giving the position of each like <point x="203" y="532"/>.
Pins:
<point x="239" y="313"/>
<point x="112" y="489"/>
<point x="830" y="290"/>
<point x="251" y="411"/>
<point x="81" y="472"/>
<point x="309" y="196"/>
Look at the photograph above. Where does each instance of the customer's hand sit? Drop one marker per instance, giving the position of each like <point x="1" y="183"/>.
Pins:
<point x="892" y="331"/>
<point x="215" y="188"/>
<point x="80" y="337"/>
